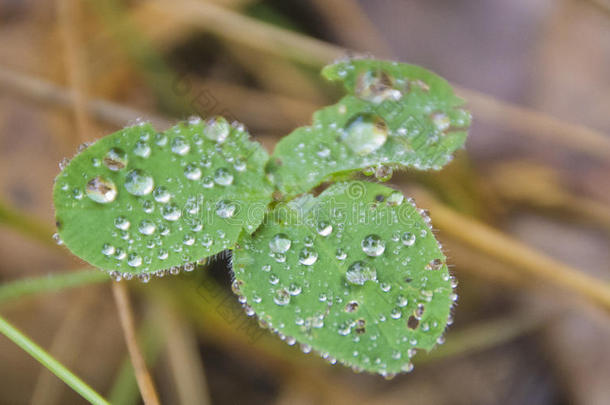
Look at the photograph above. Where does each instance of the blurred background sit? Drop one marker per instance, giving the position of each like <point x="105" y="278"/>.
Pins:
<point x="523" y="212"/>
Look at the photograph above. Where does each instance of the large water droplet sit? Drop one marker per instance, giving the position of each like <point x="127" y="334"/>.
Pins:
<point x="365" y="134"/>
<point x="360" y="272"/>
<point x="373" y="245"/>
<point x="223" y="177"/>
<point x="280" y="243"/>
<point x="225" y="208"/>
<point x="180" y="146"/>
<point x="115" y="159"/>
<point x="138" y="182"/>
<point x="217" y="129"/>
<point x="101" y="190"/>
<point x="308" y="256"/>
<point x="171" y="212"/>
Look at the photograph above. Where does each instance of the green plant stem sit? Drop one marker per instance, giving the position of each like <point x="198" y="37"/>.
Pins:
<point x="484" y="336"/>
<point x="50" y="283"/>
<point x="50" y="363"/>
<point x="25" y="224"/>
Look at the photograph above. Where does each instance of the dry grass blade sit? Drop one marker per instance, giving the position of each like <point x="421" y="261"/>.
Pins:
<point x="261" y="36"/>
<point x="287" y="44"/>
<point x="508" y="250"/>
<point x="536" y="124"/>
<point x="145" y="382"/>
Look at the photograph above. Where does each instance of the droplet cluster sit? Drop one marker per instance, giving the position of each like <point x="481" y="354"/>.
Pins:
<point x="368" y="283"/>
<point x="394" y="116"/>
<point x="140" y="202"/>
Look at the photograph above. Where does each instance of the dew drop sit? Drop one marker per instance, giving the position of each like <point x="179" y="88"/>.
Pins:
<point x="138" y="182"/>
<point x="323" y="151"/>
<point x="171" y="212"/>
<point x="324" y="228"/>
<point x="340" y="254"/>
<point x="148" y="206"/>
<point x="223" y="177"/>
<point x="122" y="223"/>
<point x="180" y="146"/>
<point x="376" y="87"/>
<point x="119" y="254"/>
<point x="160" y="194"/>
<point x="101" y="190"/>
<point x="280" y="243"/>
<point x="162" y="254"/>
<point x="188" y="240"/>
<point x="308" y="256"/>
<point x="147" y="227"/>
<point x="192" y="172"/>
<point x="108" y="249"/>
<point x="141" y="149"/>
<point x="281" y="297"/>
<point x="395" y="198"/>
<point x="160" y="139"/>
<point x="408" y="239"/>
<point x="441" y="121"/>
<point x="294" y="289"/>
<point x="365" y="133"/>
<point x="218" y="129"/>
<point x="115" y="159"/>
<point x="383" y="173"/>
<point x="435" y="264"/>
<point x="373" y="245"/>
<point x="360" y="272"/>
<point x="133" y="260"/>
<point x="225" y="209"/>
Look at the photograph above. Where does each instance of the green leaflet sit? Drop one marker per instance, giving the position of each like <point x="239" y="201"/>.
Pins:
<point x="394" y="115"/>
<point x="354" y="274"/>
<point x="138" y="201"/>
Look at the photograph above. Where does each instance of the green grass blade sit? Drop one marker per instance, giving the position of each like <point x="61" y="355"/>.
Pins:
<point x="50" y="283"/>
<point x="50" y="363"/>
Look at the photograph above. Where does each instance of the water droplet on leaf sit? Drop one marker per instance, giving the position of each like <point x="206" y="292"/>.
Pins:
<point x="373" y="245"/>
<point x="101" y="190"/>
<point x="138" y="182"/>
<point x="365" y="134"/>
